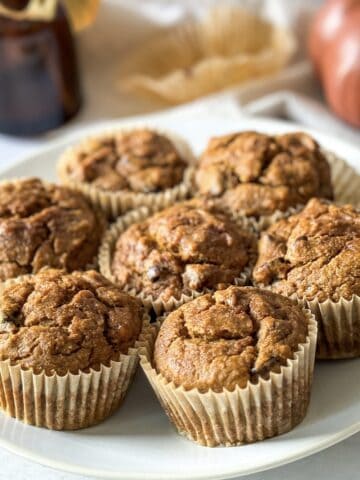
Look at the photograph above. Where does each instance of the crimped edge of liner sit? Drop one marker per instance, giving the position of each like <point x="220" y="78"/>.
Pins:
<point x="150" y="302"/>
<point x="338" y="326"/>
<point x="345" y="179"/>
<point x="93" y="265"/>
<point x="71" y="401"/>
<point x="114" y="204"/>
<point x="214" y="418"/>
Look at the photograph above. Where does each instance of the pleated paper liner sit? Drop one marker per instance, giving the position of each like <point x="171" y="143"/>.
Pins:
<point x="114" y="204"/>
<point x="268" y="408"/>
<point x="346" y="185"/>
<point x="345" y="178"/>
<point x="71" y="401"/>
<point x="157" y="305"/>
<point x="228" y="47"/>
<point x="338" y="327"/>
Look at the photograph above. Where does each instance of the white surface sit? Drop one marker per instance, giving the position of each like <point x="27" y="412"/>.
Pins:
<point x="138" y="442"/>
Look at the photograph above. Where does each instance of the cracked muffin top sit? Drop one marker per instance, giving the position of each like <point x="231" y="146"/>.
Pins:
<point x="59" y="322"/>
<point x="314" y="254"/>
<point x="257" y="174"/>
<point x="183" y="248"/>
<point x="43" y="224"/>
<point x="137" y="160"/>
<point x="228" y="338"/>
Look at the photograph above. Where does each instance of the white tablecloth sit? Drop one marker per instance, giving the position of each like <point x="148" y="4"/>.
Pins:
<point x="293" y="95"/>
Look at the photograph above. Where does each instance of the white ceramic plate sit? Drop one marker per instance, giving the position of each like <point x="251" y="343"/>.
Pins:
<point x="138" y="442"/>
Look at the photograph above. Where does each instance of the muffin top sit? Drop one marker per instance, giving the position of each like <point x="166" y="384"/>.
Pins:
<point x="228" y="338"/>
<point x="185" y="247"/>
<point x="257" y="174"/>
<point x="315" y="253"/>
<point x="59" y="322"/>
<point x="138" y="160"/>
<point x="43" y="224"/>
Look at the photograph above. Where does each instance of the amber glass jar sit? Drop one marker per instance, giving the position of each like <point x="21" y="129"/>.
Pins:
<point x="39" y="83"/>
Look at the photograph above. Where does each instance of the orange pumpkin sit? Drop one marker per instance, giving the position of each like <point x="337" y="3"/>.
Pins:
<point x="334" y="46"/>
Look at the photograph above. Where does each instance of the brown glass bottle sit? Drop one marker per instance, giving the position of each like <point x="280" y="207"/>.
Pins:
<point x="39" y="83"/>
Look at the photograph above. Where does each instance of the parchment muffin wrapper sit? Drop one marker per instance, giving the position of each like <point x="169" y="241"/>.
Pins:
<point x="71" y="401"/>
<point x="156" y="304"/>
<point x="114" y="204"/>
<point x="268" y="408"/>
<point x="195" y="58"/>
<point x="338" y="327"/>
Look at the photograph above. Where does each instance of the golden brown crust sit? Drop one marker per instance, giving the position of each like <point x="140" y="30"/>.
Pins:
<point x="257" y="174"/>
<point x="59" y="322"/>
<point x="186" y="247"/>
<point x="45" y="225"/>
<point x="228" y="338"/>
<point x="314" y="254"/>
<point x="139" y="160"/>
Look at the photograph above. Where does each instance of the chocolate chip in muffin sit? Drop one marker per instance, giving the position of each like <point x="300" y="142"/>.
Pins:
<point x="229" y="338"/>
<point x="43" y="224"/>
<point x="138" y="160"/>
<point x="257" y="174"/>
<point x="313" y="254"/>
<point x="186" y="247"/>
<point x="59" y="322"/>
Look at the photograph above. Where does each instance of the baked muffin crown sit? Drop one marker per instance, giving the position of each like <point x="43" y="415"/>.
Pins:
<point x="138" y="160"/>
<point x="42" y="224"/>
<point x="59" y="322"/>
<point x="229" y="338"/>
<point x="185" y="248"/>
<point x="258" y="174"/>
<point x="313" y="254"/>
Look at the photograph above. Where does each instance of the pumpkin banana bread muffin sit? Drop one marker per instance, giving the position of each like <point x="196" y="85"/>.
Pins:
<point x="128" y="168"/>
<point x="222" y="345"/>
<point x="55" y="323"/>
<point x="257" y="174"/>
<point x="185" y="248"/>
<point x="315" y="255"/>
<point x="42" y="224"/>
<point x="138" y="160"/>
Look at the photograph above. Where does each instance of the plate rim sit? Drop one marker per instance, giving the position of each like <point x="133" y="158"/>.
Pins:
<point x="106" y="474"/>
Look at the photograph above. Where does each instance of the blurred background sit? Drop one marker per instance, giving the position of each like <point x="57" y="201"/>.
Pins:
<point x="131" y="57"/>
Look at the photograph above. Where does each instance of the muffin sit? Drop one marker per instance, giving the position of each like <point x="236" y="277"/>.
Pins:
<point x="315" y="256"/>
<point x="129" y="168"/>
<point x="42" y="224"/>
<point x="68" y="347"/>
<point x="234" y="366"/>
<point x="180" y="252"/>
<point x="257" y="175"/>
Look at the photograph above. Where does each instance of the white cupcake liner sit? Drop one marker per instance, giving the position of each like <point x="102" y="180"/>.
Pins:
<point x="114" y="204"/>
<point x="158" y="305"/>
<point x="338" y="327"/>
<point x="345" y="179"/>
<point x="262" y="410"/>
<point x="71" y="401"/>
<point x="227" y="47"/>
